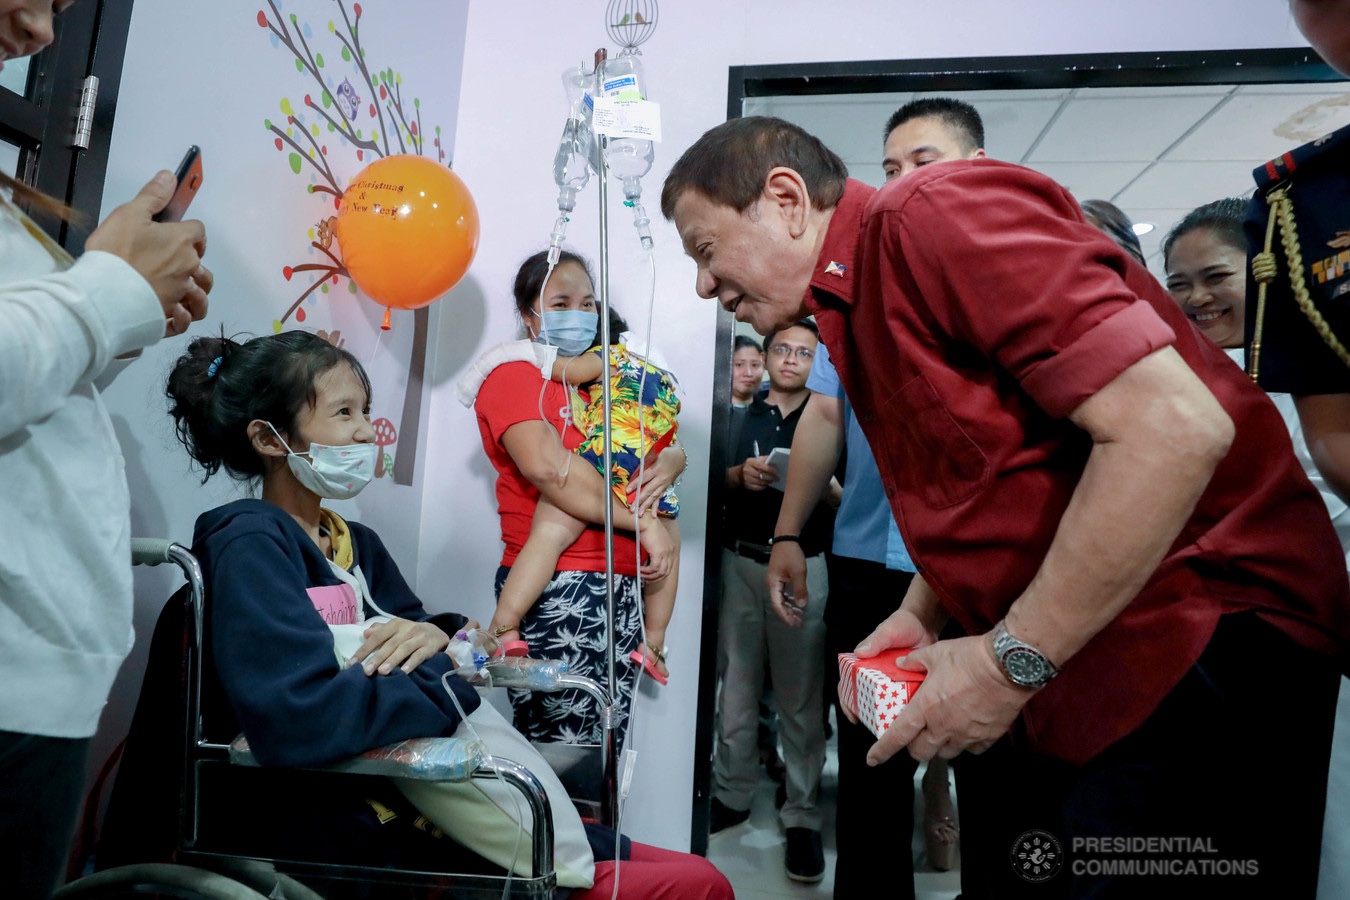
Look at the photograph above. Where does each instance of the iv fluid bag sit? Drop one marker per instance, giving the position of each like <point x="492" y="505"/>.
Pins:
<point x="579" y="87"/>
<point x="572" y="163"/>
<point x="628" y="158"/>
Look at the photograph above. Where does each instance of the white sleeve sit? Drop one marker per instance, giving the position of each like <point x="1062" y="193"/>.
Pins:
<point x="638" y="346"/>
<point x="541" y="355"/>
<point x="62" y="329"/>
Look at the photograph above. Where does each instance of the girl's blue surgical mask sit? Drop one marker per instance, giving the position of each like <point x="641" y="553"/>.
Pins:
<point x="572" y="331"/>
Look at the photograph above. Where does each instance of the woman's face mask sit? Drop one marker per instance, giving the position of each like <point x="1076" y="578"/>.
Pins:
<point x="335" y="473"/>
<point x="572" y="331"/>
<point x="567" y="302"/>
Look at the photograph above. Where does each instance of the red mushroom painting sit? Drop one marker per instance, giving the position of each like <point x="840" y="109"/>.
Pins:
<point x="385" y="436"/>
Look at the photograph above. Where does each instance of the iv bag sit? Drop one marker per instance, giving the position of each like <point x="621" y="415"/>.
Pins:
<point x="573" y="161"/>
<point x="628" y="158"/>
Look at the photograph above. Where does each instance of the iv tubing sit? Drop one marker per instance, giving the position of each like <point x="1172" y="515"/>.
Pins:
<point x="515" y="800"/>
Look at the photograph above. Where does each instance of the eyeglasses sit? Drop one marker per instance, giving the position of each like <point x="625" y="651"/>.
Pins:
<point x="785" y="350"/>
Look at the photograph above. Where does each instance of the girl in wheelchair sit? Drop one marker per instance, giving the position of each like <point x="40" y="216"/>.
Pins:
<point x="292" y="588"/>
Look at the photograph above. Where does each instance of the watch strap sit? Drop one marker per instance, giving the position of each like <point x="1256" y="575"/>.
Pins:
<point x="1006" y="647"/>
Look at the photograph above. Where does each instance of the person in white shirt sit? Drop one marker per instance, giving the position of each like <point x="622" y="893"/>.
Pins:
<point x="65" y="574"/>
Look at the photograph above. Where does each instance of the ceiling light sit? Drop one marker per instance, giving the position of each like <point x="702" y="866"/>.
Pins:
<point x="1143" y="228"/>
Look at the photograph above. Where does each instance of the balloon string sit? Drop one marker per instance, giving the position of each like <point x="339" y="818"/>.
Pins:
<point x="370" y="365"/>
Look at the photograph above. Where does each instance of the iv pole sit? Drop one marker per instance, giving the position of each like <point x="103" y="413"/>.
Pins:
<point x="609" y="778"/>
<point x="633" y="27"/>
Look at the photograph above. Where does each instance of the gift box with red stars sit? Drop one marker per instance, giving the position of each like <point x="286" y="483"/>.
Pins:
<point x="876" y="689"/>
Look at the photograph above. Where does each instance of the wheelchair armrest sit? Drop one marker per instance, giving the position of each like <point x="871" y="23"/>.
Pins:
<point x="424" y="759"/>
<point x="546" y="675"/>
<point x="445" y="759"/>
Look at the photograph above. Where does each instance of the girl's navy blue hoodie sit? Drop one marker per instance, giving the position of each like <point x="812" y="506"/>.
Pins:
<point x="273" y="653"/>
<point x="270" y="671"/>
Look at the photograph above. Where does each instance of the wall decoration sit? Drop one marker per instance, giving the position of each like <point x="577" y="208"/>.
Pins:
<point x="350" y="114"/>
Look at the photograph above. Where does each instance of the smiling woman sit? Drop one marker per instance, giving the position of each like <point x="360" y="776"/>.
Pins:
<point x="1205" y="256"/>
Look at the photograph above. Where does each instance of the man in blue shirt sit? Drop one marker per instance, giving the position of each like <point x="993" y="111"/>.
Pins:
<point x="868" y="569"/>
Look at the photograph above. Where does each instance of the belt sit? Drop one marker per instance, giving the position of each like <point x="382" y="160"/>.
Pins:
<point x="759" y="553"/>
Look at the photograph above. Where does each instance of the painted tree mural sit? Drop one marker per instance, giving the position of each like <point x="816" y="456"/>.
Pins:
<point x="359" y="114"/>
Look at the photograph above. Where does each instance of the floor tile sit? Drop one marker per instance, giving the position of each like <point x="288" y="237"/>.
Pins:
<point x="751" y="855"/>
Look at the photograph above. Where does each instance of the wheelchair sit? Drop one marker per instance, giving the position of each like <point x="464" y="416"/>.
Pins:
<point x="204" y="865"/>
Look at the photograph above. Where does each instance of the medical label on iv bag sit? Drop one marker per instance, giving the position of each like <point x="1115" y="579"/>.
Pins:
<point x="639" y="119"/>
<point x="624" y="88"/>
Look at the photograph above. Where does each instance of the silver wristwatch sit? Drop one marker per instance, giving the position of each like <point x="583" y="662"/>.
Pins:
<point x="1024" y="665"/>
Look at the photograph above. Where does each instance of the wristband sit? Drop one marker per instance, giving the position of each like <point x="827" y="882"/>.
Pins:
<point x="785" y="539"/>
<point x="680" y="477"/>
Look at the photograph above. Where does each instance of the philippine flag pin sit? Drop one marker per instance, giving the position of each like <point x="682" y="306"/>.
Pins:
<point x="835" y="269"/>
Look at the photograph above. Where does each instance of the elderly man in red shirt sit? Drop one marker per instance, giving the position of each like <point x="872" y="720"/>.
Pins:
<point x="1054" y="438"/>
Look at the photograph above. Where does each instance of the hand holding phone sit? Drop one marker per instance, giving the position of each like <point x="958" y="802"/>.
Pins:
<point x="188" y="178"/>
<point x="169" y="259"/>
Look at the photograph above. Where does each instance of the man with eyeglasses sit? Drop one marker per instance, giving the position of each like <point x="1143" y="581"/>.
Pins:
<point x="749" y="632"/>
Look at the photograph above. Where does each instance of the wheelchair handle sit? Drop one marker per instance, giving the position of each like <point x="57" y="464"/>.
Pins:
<point x="151" y="551"/>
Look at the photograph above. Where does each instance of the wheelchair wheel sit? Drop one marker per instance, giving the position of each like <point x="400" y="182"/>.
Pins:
<point x="165" y="879"/>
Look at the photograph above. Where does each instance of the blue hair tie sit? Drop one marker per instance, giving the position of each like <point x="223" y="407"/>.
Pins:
<point x="214" y="367"/>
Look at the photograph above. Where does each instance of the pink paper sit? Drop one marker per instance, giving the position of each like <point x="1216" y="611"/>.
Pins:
<point x="335" y="602"/>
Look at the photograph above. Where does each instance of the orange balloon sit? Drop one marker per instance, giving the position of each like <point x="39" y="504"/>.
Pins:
<point x="408" y="229"/>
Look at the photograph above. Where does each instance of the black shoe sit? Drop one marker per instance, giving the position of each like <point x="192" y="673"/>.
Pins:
<point x="805" y="860"/>
<point x="724" y="817"/>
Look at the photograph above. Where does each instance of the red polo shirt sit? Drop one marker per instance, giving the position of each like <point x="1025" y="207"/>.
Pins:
<point x="976" y="310"/>
<point x="511" y="395"/>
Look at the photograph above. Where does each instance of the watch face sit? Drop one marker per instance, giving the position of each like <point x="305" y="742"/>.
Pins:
<point x="1025" y="667"/>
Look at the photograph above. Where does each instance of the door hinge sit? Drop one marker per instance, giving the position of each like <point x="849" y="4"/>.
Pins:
<point x="84" y="119"/>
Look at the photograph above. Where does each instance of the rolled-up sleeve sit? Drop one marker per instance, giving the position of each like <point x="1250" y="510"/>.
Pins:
<point x="1061" y="383"/>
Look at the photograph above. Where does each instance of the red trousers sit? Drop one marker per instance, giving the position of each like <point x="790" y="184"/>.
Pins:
<point x="655" y="874"/>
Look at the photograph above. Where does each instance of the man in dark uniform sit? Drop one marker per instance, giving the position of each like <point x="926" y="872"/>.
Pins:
<point x="1309" y="188"/>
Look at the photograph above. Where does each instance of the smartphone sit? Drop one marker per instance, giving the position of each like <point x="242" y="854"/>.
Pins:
<point x="189" y="177"/>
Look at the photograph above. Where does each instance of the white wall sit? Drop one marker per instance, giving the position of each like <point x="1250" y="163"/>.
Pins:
<point x="510" y="116"/>
<point x="213" y="84"/>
